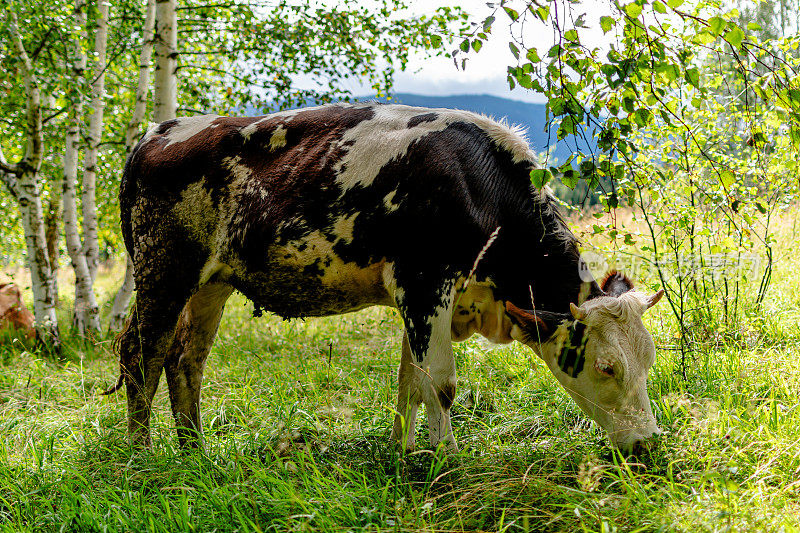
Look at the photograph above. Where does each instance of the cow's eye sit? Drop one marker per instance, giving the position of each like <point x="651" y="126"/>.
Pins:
<point x="604" y="369"/>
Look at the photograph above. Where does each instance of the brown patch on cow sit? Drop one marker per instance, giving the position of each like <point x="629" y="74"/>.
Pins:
<point x="527" y="321"/>
<point x="447" y="394"/>
<point x="419" y="119"/>
<point x="13" y="313"/>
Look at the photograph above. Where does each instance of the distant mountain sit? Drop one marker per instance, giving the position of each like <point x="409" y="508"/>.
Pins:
<point x="527" y="115"/>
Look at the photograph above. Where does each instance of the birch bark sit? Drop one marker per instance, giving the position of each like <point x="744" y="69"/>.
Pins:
<point x="22" y="181"/>
<point x="86" y="315"/>
<point x="91" y="247"/>
<point x="165" y="94"/>
<point x="123" y="297"/>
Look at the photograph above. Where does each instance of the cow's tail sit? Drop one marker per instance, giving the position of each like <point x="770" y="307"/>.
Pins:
<point x="122" y="350"/>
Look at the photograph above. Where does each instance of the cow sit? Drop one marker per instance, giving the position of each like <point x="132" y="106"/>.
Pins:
<point x="331" y="209"/>
<point x="14" y="316"/>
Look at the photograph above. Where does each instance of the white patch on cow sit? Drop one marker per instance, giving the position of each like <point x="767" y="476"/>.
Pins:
<point x="188" y="127"/>
<point x="250" y="129"/>
<point x="389" y="203"/>
<point x="287" y="115"/>
<point x="151" y="130"/>
<point x="439" y="374"/>
<point x="193" y="208"/>
<point x="386" y="136"/>
<point x="343" y="227"/>
<point x="278" y="139"/>
<point x="381" y="139"/>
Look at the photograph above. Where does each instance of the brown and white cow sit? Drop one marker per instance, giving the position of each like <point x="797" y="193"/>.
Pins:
<point x="331" y="209"/>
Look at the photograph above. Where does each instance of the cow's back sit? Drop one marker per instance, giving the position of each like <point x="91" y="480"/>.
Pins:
<point x="325" y="203"/>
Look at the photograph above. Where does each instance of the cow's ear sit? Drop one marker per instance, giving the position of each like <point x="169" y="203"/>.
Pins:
<point x="616" y="283"/>
<point x="533" y="326"/>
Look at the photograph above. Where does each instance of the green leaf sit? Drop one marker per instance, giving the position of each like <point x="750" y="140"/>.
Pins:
<point x="735" y="37"/>
<point x="540" y="177"/>
<point x="674" y="3"/>
<point x="727" y="178"/>
<point x="570" y="178"/>
<point x="753" y="26"/>
<point x="606" y="23"/>
<point x="693" y="76"/>
<point x="717" y="24"/>
<point x="543" y="13"/>
<point x="514" y="49"/>
<point x="633" y="10"/>
<point x="704" y="37"/>
<point x="512" y="14"/>
<point x="533" y="55"/>
<point x="659" y="7"/>
<point x="436" y="41"/>
<point x="476" y="45"/>
<point x="464" y="45"/>
<point x="487" y="23"/>
<point x="571" y="35"/>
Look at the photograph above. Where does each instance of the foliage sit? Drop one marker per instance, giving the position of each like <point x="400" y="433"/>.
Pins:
<point x="696" y="114"/>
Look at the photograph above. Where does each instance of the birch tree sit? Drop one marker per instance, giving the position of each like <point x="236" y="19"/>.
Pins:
<point x="86" y="310"/>
<point x="123" y="297"/>
<point x="90" y="245"/>
<point x="22" y="180"/>
<point x="165" y="86"/>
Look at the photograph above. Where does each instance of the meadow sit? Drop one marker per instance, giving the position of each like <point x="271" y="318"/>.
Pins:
<point x="298" y="414"/>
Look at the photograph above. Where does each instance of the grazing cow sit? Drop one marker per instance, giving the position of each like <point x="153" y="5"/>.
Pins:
<point x="331" y="209"/>
<point x="14" y="316"/>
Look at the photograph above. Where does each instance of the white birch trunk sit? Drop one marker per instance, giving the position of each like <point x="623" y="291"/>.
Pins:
<point x="42" y="282"/>
<point x="86" y="313"/>
<point x="22" y="181"/>
<point x="165" y="95"/>
<point x="91" y="248"/>
<point x="123" y="297"/>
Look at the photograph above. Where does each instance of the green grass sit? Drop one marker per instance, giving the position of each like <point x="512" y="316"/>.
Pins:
<point x="298" y="415"/>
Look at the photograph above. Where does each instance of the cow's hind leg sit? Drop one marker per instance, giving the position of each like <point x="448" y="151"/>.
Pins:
<point x="157" y="313"/>
<point x="186" y="360"/>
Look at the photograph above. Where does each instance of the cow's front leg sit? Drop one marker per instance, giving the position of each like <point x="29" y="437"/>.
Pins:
<point x="408" y="398"/>
<point x="428" y="371"/>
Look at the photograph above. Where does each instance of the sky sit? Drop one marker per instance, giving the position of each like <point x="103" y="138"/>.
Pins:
<point x="485" y="72"/>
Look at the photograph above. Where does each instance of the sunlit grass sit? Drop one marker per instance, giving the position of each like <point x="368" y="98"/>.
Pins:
<point x="298" y="414"/>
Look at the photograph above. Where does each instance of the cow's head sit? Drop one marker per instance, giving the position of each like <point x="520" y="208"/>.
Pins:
<point x="601" y="354"/>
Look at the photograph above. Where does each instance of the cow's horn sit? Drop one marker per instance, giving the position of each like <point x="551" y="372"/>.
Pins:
<point x="577" y="312"/>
